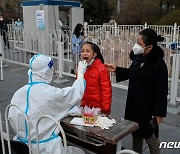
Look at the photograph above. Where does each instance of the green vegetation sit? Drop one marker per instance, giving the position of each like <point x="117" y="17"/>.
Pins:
<point x="150" y="11"/>
<point x="11" y="9"/>
<point x="171" y="18"/>
<point x="165" y="12"/>
<point x="96" y="11"/>
<point x="132" y="12"/>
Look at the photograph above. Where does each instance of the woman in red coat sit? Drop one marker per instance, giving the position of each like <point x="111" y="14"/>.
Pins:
<point x="98" y="91"/>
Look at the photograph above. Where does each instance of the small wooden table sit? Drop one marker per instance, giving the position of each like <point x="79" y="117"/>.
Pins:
<point x="95" y="137"/>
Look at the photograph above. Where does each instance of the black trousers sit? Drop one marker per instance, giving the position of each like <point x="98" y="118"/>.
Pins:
<point x="5" y="38"/>
<point x="153" y="144"/>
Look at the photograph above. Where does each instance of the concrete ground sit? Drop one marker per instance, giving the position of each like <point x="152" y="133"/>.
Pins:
<point x="15" y="76"/>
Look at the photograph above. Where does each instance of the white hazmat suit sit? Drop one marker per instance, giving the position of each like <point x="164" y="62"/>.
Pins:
<point x="38" y="98"/>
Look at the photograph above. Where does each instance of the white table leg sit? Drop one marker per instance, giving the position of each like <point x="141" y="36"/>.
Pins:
<point x="119" y="145"/>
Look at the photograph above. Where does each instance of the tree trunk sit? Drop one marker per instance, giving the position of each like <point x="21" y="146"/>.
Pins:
<point x="160" y="8"/>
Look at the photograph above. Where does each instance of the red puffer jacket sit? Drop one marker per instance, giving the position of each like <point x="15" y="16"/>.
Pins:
<point x="98" y="91"/>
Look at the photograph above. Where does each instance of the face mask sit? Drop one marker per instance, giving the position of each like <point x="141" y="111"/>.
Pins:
<point x="137" y="49"/>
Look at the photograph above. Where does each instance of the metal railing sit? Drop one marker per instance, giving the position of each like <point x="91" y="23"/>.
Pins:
<point x="7" y="128"/>
<point x="115" y="42"/>
<point x="59" y="127"/>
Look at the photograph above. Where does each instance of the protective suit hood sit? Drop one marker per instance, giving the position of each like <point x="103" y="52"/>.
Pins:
<point x="41" y="69"/>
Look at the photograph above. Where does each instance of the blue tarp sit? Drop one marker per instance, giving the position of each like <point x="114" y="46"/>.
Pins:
<point x="175" y="46"/>
<point x="172" y="45"/>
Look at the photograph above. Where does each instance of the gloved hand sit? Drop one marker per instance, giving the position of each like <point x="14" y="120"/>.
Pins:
<point x="81" y="69"/>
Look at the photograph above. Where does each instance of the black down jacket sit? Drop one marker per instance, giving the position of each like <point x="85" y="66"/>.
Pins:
<point x="147" y="91"/>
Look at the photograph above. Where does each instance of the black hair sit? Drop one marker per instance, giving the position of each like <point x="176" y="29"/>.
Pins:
<point x="150" y="37"/>
<point x="96" y="50"/>
<point x="77" y="30"/>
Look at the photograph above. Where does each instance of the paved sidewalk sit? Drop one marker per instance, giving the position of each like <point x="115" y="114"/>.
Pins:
<point x="15" y="76"/>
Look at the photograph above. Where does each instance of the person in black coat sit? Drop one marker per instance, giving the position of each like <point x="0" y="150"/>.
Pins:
<point x="3" y="31"/>
<point x="148" y="89"/>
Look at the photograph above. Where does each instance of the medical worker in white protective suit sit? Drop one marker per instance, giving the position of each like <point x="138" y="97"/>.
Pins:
<point x="38" y="98"/>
